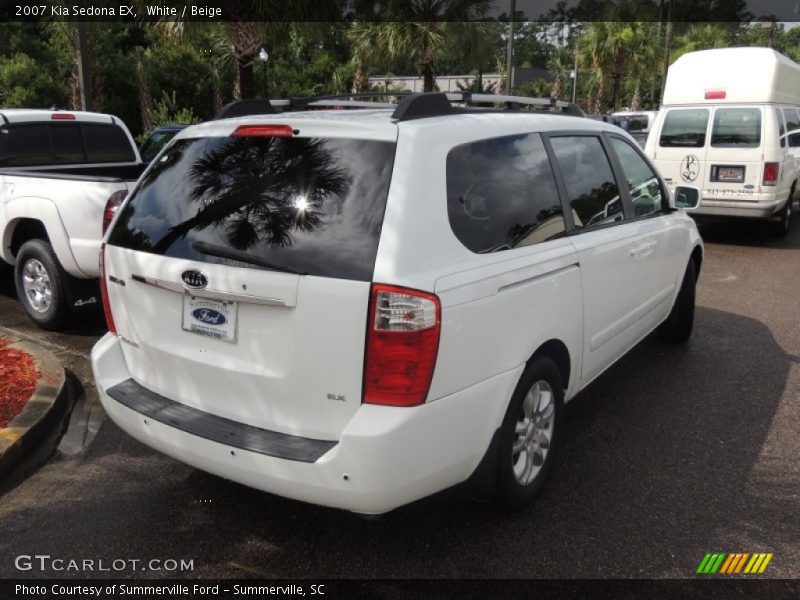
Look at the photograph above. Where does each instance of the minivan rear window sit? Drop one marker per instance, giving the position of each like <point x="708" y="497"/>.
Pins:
<point x="684" y="129"/>
<point x="736" y="128"/>
<point x="308" y="205"/>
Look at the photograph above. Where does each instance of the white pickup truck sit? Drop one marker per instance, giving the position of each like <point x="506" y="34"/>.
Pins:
<point x="62" y="176"/>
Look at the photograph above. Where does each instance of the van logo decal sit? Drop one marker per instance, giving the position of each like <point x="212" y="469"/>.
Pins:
<point x="690" y="168"/>
<point x="209" y="316"/>
<point x="194" y="279"/>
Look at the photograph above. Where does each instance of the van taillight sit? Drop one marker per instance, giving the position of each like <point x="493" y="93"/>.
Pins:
<point x="62" y="117"/>
<point x="402" y="343"/>
<point x="104" y="291"/>
<point x="112" y="206"/>
<point x="771" y="170"/>
<point x="715" y="94"/>
<point x="282" y="131"/>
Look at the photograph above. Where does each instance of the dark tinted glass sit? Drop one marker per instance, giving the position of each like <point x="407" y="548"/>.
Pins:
<point x="684" y="129"/>
<point x="501" y="194"/>
<point x="736" y="128"/>
<point x="67" y="143"/>
<point x="642" y="182"/>
<point x="25" y="145"/>
<point x="107" y="143"/>
<point x="155" y="143"/>
<point x="309" y="205"/>
<point x="792" y="120"/>
<point x="591" y="188"/>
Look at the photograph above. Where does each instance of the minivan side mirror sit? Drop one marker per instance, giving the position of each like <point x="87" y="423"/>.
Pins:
<point x="685" y="197"/>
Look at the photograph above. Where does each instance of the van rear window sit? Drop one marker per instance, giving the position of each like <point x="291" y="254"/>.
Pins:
<point x="736" y="128"/>
<point x="684" y="129"/>
<point x="308" y="205"/>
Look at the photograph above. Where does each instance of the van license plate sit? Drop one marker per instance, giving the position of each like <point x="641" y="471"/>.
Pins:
<point x="731" y="174"/>
<point x="212" y="318"/>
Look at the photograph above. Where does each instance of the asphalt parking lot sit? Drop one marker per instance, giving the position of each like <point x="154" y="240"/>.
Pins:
<point x="672" y="453"/>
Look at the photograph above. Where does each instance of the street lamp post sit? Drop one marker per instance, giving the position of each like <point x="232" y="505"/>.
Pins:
<point x="263" y="56"/>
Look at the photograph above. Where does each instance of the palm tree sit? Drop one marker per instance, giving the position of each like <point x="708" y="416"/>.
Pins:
<point x="643" y="58"/>
<point x="700" y="36"/>
<point x="251" y="23"/>
<point x="477" y="45"/>
<point x="414" y="30"/>
<point x="560" y="64"/>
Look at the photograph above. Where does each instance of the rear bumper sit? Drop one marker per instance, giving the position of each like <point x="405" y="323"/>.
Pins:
<point x="386" y="456"/>
<point x="738" y="208"/>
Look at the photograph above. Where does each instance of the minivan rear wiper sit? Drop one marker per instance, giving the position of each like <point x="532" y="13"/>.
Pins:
<point x="230" y="253"/>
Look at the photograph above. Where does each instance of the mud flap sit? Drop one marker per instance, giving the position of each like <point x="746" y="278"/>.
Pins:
<point x="83" y="295"/>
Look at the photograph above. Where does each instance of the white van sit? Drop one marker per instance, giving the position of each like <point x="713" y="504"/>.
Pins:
<point x="729" y="124"/>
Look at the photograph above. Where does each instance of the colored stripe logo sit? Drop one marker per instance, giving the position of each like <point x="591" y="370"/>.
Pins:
<point x="734" y="563"/>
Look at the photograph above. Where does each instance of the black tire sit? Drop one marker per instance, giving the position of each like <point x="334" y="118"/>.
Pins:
<point x="677" y="328"/>
<point x="51" y="318"/>
<point x="513" y="494"/>
<point x="780" y="228"/>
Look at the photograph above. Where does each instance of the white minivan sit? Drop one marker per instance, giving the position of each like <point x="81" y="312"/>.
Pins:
<point x="359" y="308"/>
<point x="729" y="125"/>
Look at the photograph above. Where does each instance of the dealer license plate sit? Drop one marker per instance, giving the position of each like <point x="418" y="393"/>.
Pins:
<point x="212" y="318"/>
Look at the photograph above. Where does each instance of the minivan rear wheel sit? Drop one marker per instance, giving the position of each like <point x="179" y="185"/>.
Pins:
<point x="530" y="434"/>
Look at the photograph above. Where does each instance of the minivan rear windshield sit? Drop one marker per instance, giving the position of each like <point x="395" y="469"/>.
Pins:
<point x="736" y="128"/>
<point x="684" y="129"/>
<point x="308" y="205"/>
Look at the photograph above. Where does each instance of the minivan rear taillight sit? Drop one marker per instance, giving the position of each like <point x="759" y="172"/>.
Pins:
<point x="104" y="291"/>
<point x="771" y="170"/>
<point x="112" y="206"/>
<point x="402" y="344"/>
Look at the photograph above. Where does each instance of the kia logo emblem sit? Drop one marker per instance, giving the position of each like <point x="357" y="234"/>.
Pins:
<point x="690" y="167"/>
<point x="194" y="279"/>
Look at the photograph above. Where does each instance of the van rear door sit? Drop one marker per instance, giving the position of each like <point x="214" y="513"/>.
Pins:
<point x="243" y="267"/>
<point x="735" y="154"/>
<point x="679" y="149"/>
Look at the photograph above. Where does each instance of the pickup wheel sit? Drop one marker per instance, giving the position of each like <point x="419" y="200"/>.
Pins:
<point x="678" y="326"/>
<point x="40" y="279"/>
<point x="530" y="434"/>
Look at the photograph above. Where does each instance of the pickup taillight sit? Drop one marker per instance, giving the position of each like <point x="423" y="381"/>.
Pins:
<point x="402" y="344"/>
<point x="112" y="206"/>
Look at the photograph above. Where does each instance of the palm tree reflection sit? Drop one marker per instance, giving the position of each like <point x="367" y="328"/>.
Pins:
<point x="258" y="191"/>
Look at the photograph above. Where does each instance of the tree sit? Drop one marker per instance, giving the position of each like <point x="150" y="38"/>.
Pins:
<point x="560" y="65"/>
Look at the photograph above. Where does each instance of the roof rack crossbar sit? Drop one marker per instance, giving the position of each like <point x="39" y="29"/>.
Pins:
<point x="433" y="104"/>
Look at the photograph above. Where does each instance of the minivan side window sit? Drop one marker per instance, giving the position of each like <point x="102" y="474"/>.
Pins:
<point x="643" y="183"/>
<point x="684" y="128"/>
<point x="593" y="193"/>
<point x="502" y="194"/>
<point x="736" y="128"/>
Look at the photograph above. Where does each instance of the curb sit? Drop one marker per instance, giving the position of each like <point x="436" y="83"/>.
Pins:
<point x="29" y="426"/>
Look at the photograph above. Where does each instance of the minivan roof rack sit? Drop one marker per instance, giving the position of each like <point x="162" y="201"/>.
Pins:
<point x="262" y="106"/>
<point x="412" y="105"/>
<point x="434" y="104"/>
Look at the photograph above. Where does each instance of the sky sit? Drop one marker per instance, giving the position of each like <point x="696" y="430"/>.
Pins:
<point x="785" y="10"/>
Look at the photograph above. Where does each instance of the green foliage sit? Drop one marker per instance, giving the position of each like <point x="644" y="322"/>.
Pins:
<point x="167" y="111"/>
<point x="25" y="83"/>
